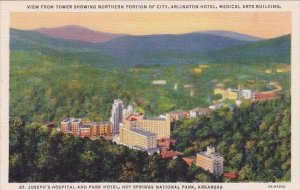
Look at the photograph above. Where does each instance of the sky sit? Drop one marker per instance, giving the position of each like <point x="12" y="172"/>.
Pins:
<point x="260" y="24"/>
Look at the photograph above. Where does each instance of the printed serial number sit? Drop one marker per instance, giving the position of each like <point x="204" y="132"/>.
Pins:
<point x="276" y="186"/>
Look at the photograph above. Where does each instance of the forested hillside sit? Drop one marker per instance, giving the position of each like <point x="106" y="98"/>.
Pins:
<point x="254" y="140"/>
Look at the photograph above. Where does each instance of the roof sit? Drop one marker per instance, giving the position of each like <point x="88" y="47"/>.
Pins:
<point x="101" y="123"/>
<point x="143" y="132"/>
<point x="230" y="175"/>
<point x="155" y="118"/>
<point x="211" y="155"/>
<point x="85" y="126"/>
<point x="188" y="160"/>
<point x="170" y="154"/>
<point x="166" y="140"/>
<point x="72" y="120"/>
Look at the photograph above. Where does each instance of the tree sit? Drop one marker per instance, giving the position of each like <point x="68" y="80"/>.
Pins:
<point x="129" y="173"/>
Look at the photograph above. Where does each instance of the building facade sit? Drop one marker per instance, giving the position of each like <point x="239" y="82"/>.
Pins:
<point x="85" y="130"/>
<point x="101" y="129"/>
<point x="128" y="111"/>
<point x="77" y="127"/>
<point x="210" y="160"/>
<point x="137" y="138"/>
<point x="161" y="126"/>
<point x="158" y="125"/>
<point x="71" y="126"/>
<point x="116" y="115"/>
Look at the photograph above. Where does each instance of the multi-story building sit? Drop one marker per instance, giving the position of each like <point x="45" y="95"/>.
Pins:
<point x="210" y="160"/>
<point x="116" y="115"/>
<point x="85" y="130"/>
<point x="137" y="138"/>
<point x="81" y="128"/>
<point x="75" y="126"/>
<point x="158" y="125"/>
<point x="71" y="125"/>
<point x="101" y="128"/>
<point x="233" y="94"/>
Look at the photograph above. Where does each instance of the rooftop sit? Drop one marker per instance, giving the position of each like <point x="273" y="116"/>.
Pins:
<point x="72" y="120"/>
<point x="188" y="160"/>
<point x="210" y="155"/>
<point x="155" y="118"/>
<point x="85" y="126"/>
<point x="143" y="132"/>
<point x="170" y="154"/>
<point x="101" y="123"/>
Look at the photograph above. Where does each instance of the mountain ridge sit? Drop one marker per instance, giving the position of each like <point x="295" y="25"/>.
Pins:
<point x="77" y="33"/>
<point x="62" y="32"/>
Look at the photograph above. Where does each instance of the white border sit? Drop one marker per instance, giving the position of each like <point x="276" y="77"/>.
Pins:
<point x="16" y="6"/>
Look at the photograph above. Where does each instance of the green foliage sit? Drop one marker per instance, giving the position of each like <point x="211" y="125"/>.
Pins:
<point x="254" y="139"/>
<point x="49" y="83"/>
<point x="39" y="154"/>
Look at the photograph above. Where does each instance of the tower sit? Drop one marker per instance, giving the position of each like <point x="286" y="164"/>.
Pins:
<point x="116" y="115"/>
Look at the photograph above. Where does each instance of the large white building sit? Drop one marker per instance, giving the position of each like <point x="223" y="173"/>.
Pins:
<point x="128" y="111"/>
<point x="116" y="115"/>
<point x="210" y="160"/>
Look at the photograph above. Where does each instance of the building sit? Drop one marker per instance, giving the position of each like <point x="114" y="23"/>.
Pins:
<point x="245" y="94"/>
<point x="264" y="95"/>
<point x="178" y="115"/>
<point x="158" y="125"/>
<point x="85" y="130"/>
<point x="134" y="137"/>
<point x="128" y="111"/>
<point x="230" y="175"/>
<point x="199" y="111"/>
<point x="165" y="143"/>
<point x="71" y="125"/>
<point x="233" y="94"/>
<point x="78" y="127"/>
<point x="101" y="129"/>
<point x="116" y="115"/>
<point x="210" y="160"/>
<point x="169" y="154"/>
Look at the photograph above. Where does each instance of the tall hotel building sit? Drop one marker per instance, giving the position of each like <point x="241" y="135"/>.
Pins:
<point x="116" y="115"/>
<point x="161" y="126"/>
<point x="71" y="125"/>
<point x="137" y="138"/>
<point x="211" y="161"/>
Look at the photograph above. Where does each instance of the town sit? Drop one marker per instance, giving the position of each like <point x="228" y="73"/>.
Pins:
<point x="153" y="134"/>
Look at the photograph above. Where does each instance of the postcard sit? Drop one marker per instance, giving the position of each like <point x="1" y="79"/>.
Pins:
<point x="150" y="95"/>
